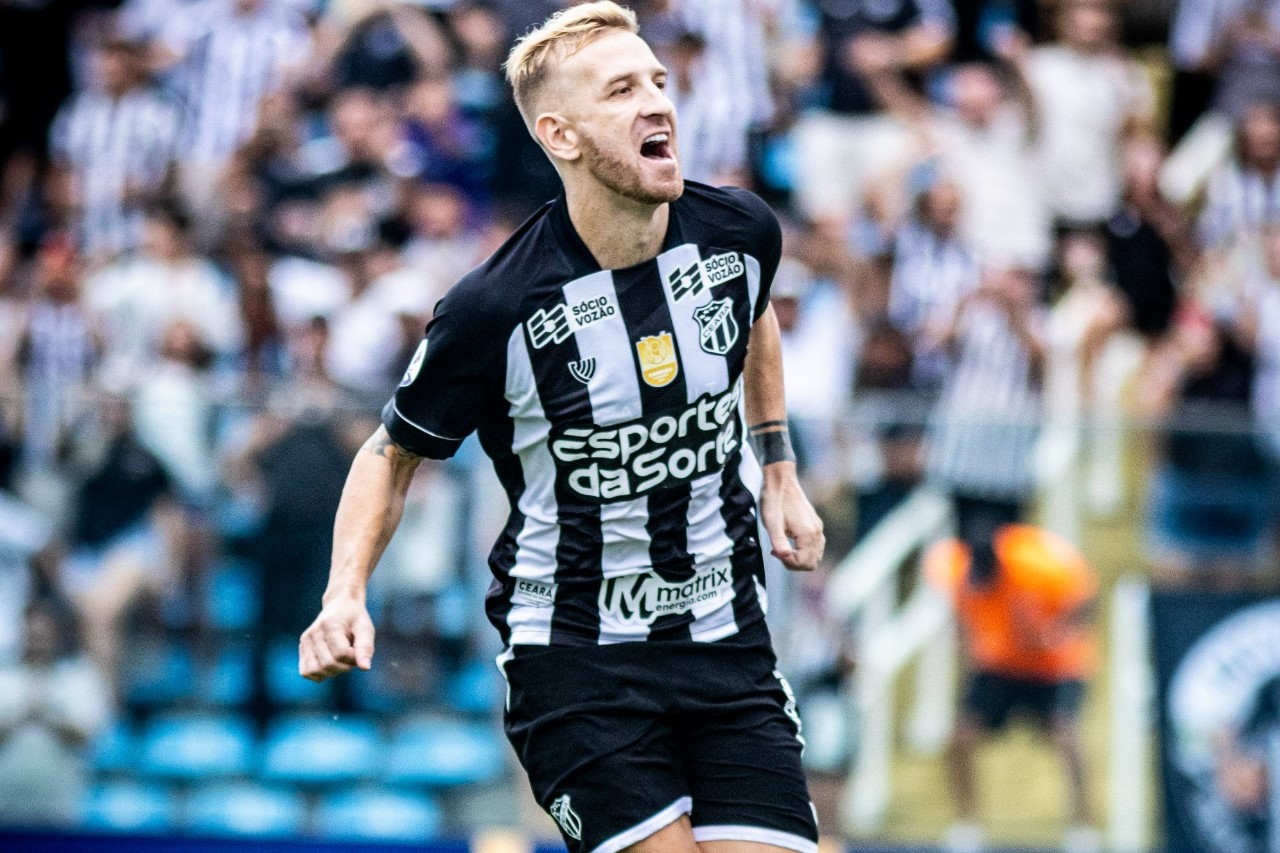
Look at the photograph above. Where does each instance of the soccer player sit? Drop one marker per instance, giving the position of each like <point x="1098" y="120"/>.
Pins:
<point x="602" y="356"/>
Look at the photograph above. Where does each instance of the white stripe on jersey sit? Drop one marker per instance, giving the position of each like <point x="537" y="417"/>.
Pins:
<point x="704" y="372"/>
<point x="536" y="543"/>
<point x="753" y="283"/>
<point x="622" y="525"/>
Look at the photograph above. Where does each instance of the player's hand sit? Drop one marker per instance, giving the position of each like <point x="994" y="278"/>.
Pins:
<point x="341" y="639"/>
<point x="795" y="531"/>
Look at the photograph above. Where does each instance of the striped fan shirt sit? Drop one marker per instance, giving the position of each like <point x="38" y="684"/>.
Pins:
<point x="232" y="61"/>
<point x="610" y="404"/>
<point x="118" y="151"/>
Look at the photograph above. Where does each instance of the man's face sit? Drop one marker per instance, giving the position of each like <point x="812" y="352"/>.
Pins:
<point x="1087" y="24"/>
<point x="612" y="94"/>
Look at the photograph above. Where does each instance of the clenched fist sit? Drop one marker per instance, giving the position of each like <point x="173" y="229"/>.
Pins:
<point x="341" y="639"/>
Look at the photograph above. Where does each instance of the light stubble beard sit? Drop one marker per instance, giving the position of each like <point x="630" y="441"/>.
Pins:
<point x="621" y="177"/>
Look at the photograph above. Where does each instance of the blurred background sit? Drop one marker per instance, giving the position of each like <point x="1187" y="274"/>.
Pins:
<point x="1030" y="309"/>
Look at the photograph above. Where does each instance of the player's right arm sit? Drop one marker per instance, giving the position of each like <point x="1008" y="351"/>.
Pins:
<point x="341" y="637"/>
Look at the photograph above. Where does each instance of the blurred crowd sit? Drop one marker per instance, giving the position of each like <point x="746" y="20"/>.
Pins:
<point x="224" y="225"/>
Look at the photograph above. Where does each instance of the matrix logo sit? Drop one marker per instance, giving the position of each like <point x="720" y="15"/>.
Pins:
<point x="624" y="461"/>
<point x="641" y="599"/>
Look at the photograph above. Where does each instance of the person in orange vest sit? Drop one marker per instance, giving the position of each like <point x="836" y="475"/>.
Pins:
<point x="1024" y="598"/>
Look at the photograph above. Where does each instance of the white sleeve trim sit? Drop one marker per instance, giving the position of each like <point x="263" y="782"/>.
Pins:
<point x="648" y="826"/>
<point x="755" y="833"/>
<point x="419" y="427"/>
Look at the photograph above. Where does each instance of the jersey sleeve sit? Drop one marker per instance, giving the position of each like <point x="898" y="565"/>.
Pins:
<point x="763" y="237"/>
<point x="454" y="373"/>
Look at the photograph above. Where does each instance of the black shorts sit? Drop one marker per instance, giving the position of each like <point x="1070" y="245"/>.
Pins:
<point x="621" y="740"/>
<point x="993" y="698"/>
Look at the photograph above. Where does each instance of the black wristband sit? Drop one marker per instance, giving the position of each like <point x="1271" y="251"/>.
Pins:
<point x="773" y="446"/>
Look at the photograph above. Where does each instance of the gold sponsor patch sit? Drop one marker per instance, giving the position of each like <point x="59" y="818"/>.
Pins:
<point x="658" y="363"/>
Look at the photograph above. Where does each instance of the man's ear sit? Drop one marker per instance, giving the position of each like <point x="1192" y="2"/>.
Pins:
<point x="558" y="136"/>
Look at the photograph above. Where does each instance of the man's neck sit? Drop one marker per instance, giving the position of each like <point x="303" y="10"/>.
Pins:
<point x="618" y="232"/>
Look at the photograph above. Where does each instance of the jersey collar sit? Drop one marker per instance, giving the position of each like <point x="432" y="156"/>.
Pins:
<point x="576" y="252"/>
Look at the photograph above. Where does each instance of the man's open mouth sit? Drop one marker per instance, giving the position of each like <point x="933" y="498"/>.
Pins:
<point x="656" y="146"/>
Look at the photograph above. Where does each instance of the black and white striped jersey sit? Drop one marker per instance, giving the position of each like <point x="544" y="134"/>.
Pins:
<point x="610" y="404"/>
<point x="119" y="151"/>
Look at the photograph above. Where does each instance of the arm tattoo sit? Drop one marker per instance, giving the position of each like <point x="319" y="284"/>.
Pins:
<point x="771" y="441"/>
<point x="381" y="444"/>
<point x="767" y="426"/>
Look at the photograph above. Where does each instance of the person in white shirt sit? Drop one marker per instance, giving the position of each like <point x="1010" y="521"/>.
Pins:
<point x="50" y="705"/>
<point x="1088" y="95"/>
<point x="136" y="300"/>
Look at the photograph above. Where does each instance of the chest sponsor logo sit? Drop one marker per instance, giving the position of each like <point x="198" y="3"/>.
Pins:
<point x="554" y="325"/>
<point x="658" y="363"/>
<point x="583" y="370"/>
<point x="415" y="364"/>
<point x="641" y="599"/>
<point x="533" y="593"/>
<point x="717" y="328"/>
<point x="624" y="461"/>
<point x="705" y="274"/>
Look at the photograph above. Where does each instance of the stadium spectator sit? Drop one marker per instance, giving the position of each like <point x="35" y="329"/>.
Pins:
<point x="173" y="411"/>
<point x="134" y="301"/>
<point x="1126" y="276"/>
<point x="123" y="530"/>
<point x="1209" y="501"/>
<point x="985" y="426"/>
<point x="984" y="137"/>
<point x="51" y="703"/>
<point x="1088" y="97"/>
<point x="1243" y="194"/>
<point x="933" y="269"/>
<point x="368" y="336"/>
<point x="389" y="46"/>
<point x="113" y="148"/>
<point x="443" y="241"/>
<point x="1227" y="54"/>
<point x="36" y="41"/>
<point x="1024" y="599"/>
<point x="27" y="550"/>
<point x="57" y="350"/>
<point x="818" y="343"/>
<point x="887" y="419"/>
<point x="228" y="56"/>
<point x="445" y="146"/>
<point x="844" y="144"/>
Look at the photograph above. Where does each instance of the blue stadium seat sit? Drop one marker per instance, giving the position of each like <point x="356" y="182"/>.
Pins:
<point x="476" y="688"/>
<point x="128" y="807"/>
<point x="454" y="611"/>
<point x="228" y="679"/>
<point x="442" y="753"/>
<point x="244" y="809"/>
<point x="161" y="674"/>
<point x="197" y="746"/>
<point x="318" y="750"/>
<point x="114" y="750"/>
<point x="284" y="685"/>
<point x="232" y="598"/>
<point x="378" y="815"/>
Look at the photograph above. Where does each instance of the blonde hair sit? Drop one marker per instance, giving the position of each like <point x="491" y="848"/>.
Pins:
<point x="560" y="36"/>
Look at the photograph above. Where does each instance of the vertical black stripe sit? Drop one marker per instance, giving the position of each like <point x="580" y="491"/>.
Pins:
<point x="497" y="442"/>
<point x="738" y="508"/>
<point x="644" y="310"/>
<point x="576" y="617"/>
<point x="740" y="295"/>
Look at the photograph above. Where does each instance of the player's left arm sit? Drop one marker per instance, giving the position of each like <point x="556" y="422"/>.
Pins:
<point x="795" y="530"/>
